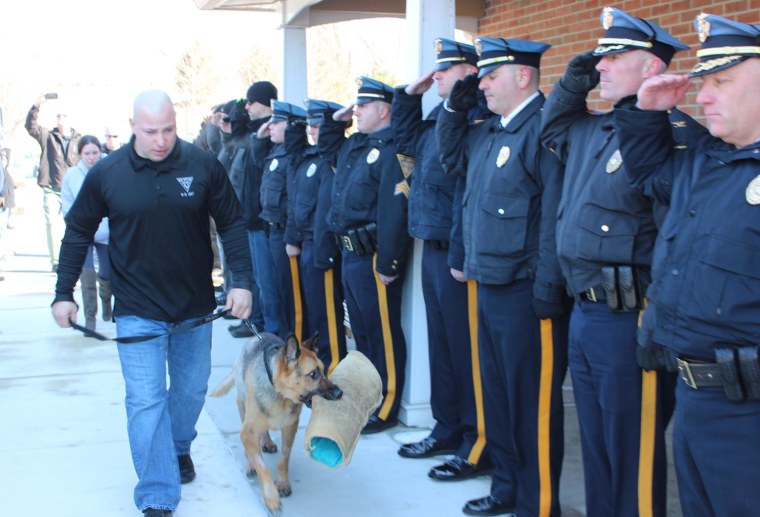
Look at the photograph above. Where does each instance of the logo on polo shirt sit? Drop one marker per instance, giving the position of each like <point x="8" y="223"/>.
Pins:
<point x="186" y="183"/>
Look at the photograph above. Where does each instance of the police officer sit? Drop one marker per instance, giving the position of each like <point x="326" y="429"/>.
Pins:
<point x="270" y="151"/>
<point x="307" y="235"/>
<point x="509" y="208"/>
<point x="605" y="235"/>
<point x="454" y="380"/>
<point x="705" y="295"/>
<point x="368" y="213"/>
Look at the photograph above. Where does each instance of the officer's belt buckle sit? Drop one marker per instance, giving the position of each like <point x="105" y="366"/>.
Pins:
<point x="684" y="371"/>
<point x="591" y="294"/>
<point x="347" y="242"/>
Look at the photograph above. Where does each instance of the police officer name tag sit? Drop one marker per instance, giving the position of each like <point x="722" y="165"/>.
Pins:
<point x="614" y="163"/>
<point x="753" y="191"/>
<point x="373" y="155"/>
<point x="503" y="156"/>
<point x="273" y="165"/>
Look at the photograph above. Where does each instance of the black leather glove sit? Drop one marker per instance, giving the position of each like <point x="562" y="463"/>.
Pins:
<point x="548" y="310"/>
<point x="581" y="75"/>
<point x="464" y="94"/>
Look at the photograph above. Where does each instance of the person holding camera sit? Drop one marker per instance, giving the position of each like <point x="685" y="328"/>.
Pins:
<point x="58" y="148"/>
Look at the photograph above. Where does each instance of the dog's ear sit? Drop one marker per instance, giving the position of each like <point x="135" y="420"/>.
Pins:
<point x="292" y="350"/>
<point x="312" y="343"/>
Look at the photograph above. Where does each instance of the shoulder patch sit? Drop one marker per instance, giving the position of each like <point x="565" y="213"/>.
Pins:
<point x="406" y="163"/>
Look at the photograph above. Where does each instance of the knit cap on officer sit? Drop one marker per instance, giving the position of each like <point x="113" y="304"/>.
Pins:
<point x="449" y="53"/>
<point x="286" y="111"/>
<point x="495" y="52"/>
<point x="623" y="32"/>
<point x="262" y="92"/>
<point x="317" y="108"/>
<point x="725" y="43"/>
<point x="372" y="90"/>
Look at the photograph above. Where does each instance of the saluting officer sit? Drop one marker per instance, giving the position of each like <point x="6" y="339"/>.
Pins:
<point x="605" y="235"/>
<point x="509" y="209"/>
<point x="368" y="214"/>
<point x="456" y="395"/>
<point x="705" y="295"/>
<point x="269" y="150"/>
<point x="307" y="235"/>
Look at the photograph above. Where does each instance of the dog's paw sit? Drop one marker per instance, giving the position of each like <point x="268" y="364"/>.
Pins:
<point x="283" y="488"/>
<point x="269" y="447"/>
<point x="250" y="472"/>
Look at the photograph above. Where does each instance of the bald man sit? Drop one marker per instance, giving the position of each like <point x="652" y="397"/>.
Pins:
<point x="158" y="193"/>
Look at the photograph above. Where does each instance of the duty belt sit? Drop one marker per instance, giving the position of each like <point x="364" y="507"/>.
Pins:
<point x="593" y="294"/>
<point x="276" y="226"/>
<point x="699" y="375"/>
<point x="346" y="243"/>
<point x="438" y="245"/>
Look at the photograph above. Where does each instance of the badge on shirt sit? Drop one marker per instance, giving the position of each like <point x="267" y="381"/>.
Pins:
<point x="503" y="156"/>
<point x="753" y="191"/>
<point x="373" y="155"/>
<point x="273" y="165"/>
<point x="614" y="163"/>
<point x="311" y="170"/>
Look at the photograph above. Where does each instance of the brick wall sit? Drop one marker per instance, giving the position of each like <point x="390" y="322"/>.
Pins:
<point x="572" y="27"/>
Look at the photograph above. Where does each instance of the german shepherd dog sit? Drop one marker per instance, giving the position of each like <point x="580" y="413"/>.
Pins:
<point x="273" y="379"/>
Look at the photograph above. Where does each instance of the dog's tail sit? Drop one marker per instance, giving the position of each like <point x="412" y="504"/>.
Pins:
<point x="225" y="386"/>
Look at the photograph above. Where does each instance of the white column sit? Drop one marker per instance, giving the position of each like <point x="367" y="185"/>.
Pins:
<point x="426" y="20"/>
<point x="293" y="67"/>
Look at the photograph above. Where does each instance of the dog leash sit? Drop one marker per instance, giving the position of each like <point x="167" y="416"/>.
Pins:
<point x="271" y="347"/>
<point x="139" y="339"/>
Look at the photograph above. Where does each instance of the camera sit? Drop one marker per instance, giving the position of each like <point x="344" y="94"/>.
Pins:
<point x="51" y="95"/>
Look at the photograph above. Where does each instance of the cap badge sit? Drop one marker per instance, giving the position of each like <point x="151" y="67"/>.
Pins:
<point x="753" y="191"/>
<point x="704" y="27"/>
<point x="478" y="46"/>
<point x="614" y="163"/>
<point x="373" y="155"/>
<point x="607" y="18"/>
<point x="273" y="165"/>
<point x="359" y="82"/>
<point x="438" y="47"/>
<point x="311" y="170"/>
<point x="503" y="156"/>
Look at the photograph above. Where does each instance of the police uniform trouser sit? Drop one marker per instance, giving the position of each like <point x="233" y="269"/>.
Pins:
<point x="716" y="447"/>
<point x="374" y="312"/>
<point x="323" y="297"/>
<point x="523" y="360"/>
<point x="456" y="393"/>
<point x="622" y="426"/>
<point x="283" y="280"/>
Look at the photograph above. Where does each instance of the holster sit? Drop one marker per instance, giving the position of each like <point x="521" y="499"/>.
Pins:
<point x="750" y="370"/>
<point x="655" y="358"/>
<point x="367" y="237"/>
<point x="622" y="289"/>
<point x="609" y="284"/>
<point x="725" y="357"/>
<point x="356" y="242"/>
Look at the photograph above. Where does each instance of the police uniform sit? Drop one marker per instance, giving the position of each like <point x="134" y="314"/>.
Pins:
<point x="453" y="375"/>
<point x="509" y="207"/>
<point x="705" y="295"/>
<point x="605" y="235"/>
<point x="309" y="191"/>
<point x="368" y="213"/>
<point x="274" y="159"/>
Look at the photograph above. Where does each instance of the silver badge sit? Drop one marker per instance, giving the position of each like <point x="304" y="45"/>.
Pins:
<point x="273" y="165"/>
<point x="753" y="191"/>
<point x="503" y="156"/>
<point x="311" y="170"/>
<point x="614" y="163"/>
<point x="373" y="155"/>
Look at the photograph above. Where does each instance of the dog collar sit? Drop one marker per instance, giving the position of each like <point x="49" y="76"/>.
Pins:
<point x="271" y="347"/>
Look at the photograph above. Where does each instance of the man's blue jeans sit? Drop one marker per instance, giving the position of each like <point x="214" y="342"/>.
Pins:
<point x="160" y="421"/>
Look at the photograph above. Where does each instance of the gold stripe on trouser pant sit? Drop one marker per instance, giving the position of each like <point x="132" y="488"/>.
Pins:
<point x="477" y="381"/>
<point x="390" y="360"/>
<point x="332" y="323"/>
<point x="297" y="302"/>
<point x="648" y="422"/>
<point x="544" y="419"/>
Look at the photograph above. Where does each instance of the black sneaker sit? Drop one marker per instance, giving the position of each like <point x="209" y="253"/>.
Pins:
<point x="154" y="512"/>
<point x="186" y="469"/>
<point x="241" y="330"/>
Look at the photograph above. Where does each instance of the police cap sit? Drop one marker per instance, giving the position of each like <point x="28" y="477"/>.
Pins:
<point x="725" y="43"/>
<point x="623" y="32"/>
<point x="449" y="53"/>
<point x="286" y="111"/>
<point x="316" y="109"/>
<point x="494" y="52"/>
<point x="372" y="90"/>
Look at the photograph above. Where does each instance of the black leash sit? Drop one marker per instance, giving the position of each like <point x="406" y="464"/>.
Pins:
<point x="271" y="347"/>
<point x="139" y="339"/>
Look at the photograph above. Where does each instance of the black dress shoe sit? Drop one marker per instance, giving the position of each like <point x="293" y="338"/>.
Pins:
<point x="153" y="512"/>
<point x="186" y="468"/>
<point x="457" y="469"/>
<point x="241" y="330"/>
<point x="487" y="505"/>
<point x="375" y="425"/>
<point x="426" y="448"/>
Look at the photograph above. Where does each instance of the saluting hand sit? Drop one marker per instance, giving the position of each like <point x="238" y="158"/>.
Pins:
<point x="662" y="92"/>
<point x="421" y="85"/>
<point x="464" y="93"/>
<point x="581" y="75"/>
<point x="344" y="114"/>
<point x="263" y="131"/>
